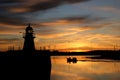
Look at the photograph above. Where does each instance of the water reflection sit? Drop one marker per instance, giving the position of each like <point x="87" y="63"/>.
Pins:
<point x="84" y="70"/>
<point x="75" y="60"/>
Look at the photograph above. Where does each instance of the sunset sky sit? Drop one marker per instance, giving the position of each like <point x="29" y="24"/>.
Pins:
<point x="65" y="25"/>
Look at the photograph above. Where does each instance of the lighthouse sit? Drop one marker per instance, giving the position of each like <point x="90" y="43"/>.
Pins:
<point x="28" y="39"/>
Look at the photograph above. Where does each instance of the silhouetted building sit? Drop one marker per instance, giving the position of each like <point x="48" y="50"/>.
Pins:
<point x="29" y="39"/>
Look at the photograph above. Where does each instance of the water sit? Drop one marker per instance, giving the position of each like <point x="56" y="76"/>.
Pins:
<point x="84" y="70"/>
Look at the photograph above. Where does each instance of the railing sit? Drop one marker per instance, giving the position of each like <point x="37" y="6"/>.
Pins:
<point x="24" y="35"/>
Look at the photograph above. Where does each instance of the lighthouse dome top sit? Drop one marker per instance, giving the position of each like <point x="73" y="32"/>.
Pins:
<point x="29" y="27"/>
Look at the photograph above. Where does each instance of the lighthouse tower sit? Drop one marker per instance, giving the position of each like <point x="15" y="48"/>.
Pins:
<point x="28" y="39"/>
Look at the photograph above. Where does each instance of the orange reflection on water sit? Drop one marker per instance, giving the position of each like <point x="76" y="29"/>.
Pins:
<point x="61" y="70"/>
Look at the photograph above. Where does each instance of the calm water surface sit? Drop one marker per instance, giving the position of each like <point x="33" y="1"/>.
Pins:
<point x="84" y="70"/>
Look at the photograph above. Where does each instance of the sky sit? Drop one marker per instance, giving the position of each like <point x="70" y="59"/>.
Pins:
<point x="64" y="25"/>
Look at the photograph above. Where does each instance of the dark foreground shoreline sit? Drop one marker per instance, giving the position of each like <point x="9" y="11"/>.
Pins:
<point x="113" y="54"/>
<point x="25" y="65"/>
<point x="37" y="64"/>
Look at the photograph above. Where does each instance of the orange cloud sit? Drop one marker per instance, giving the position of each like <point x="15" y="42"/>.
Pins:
<point x="62" y="22"/>
<point x="11" y="29"/>
<point x="18" y="10"/>
<point x="90" y="42"/>
<point x="55" y="35"/>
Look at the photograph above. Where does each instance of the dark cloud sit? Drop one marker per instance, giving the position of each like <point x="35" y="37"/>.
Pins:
<point x="77" y="18"/>
<point x="83" y="19"/>
<point x="37" y="5"/>
<point x="12" y="20"/>
<point x="44" y="5"/>
<point x="8" y="38"/>
<point x="7" y="1"/>
<point x="3" y="28"/>
<point x="86" y="18"/>
<point x="51" y="4"/>
<point x="11" y="10"/>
